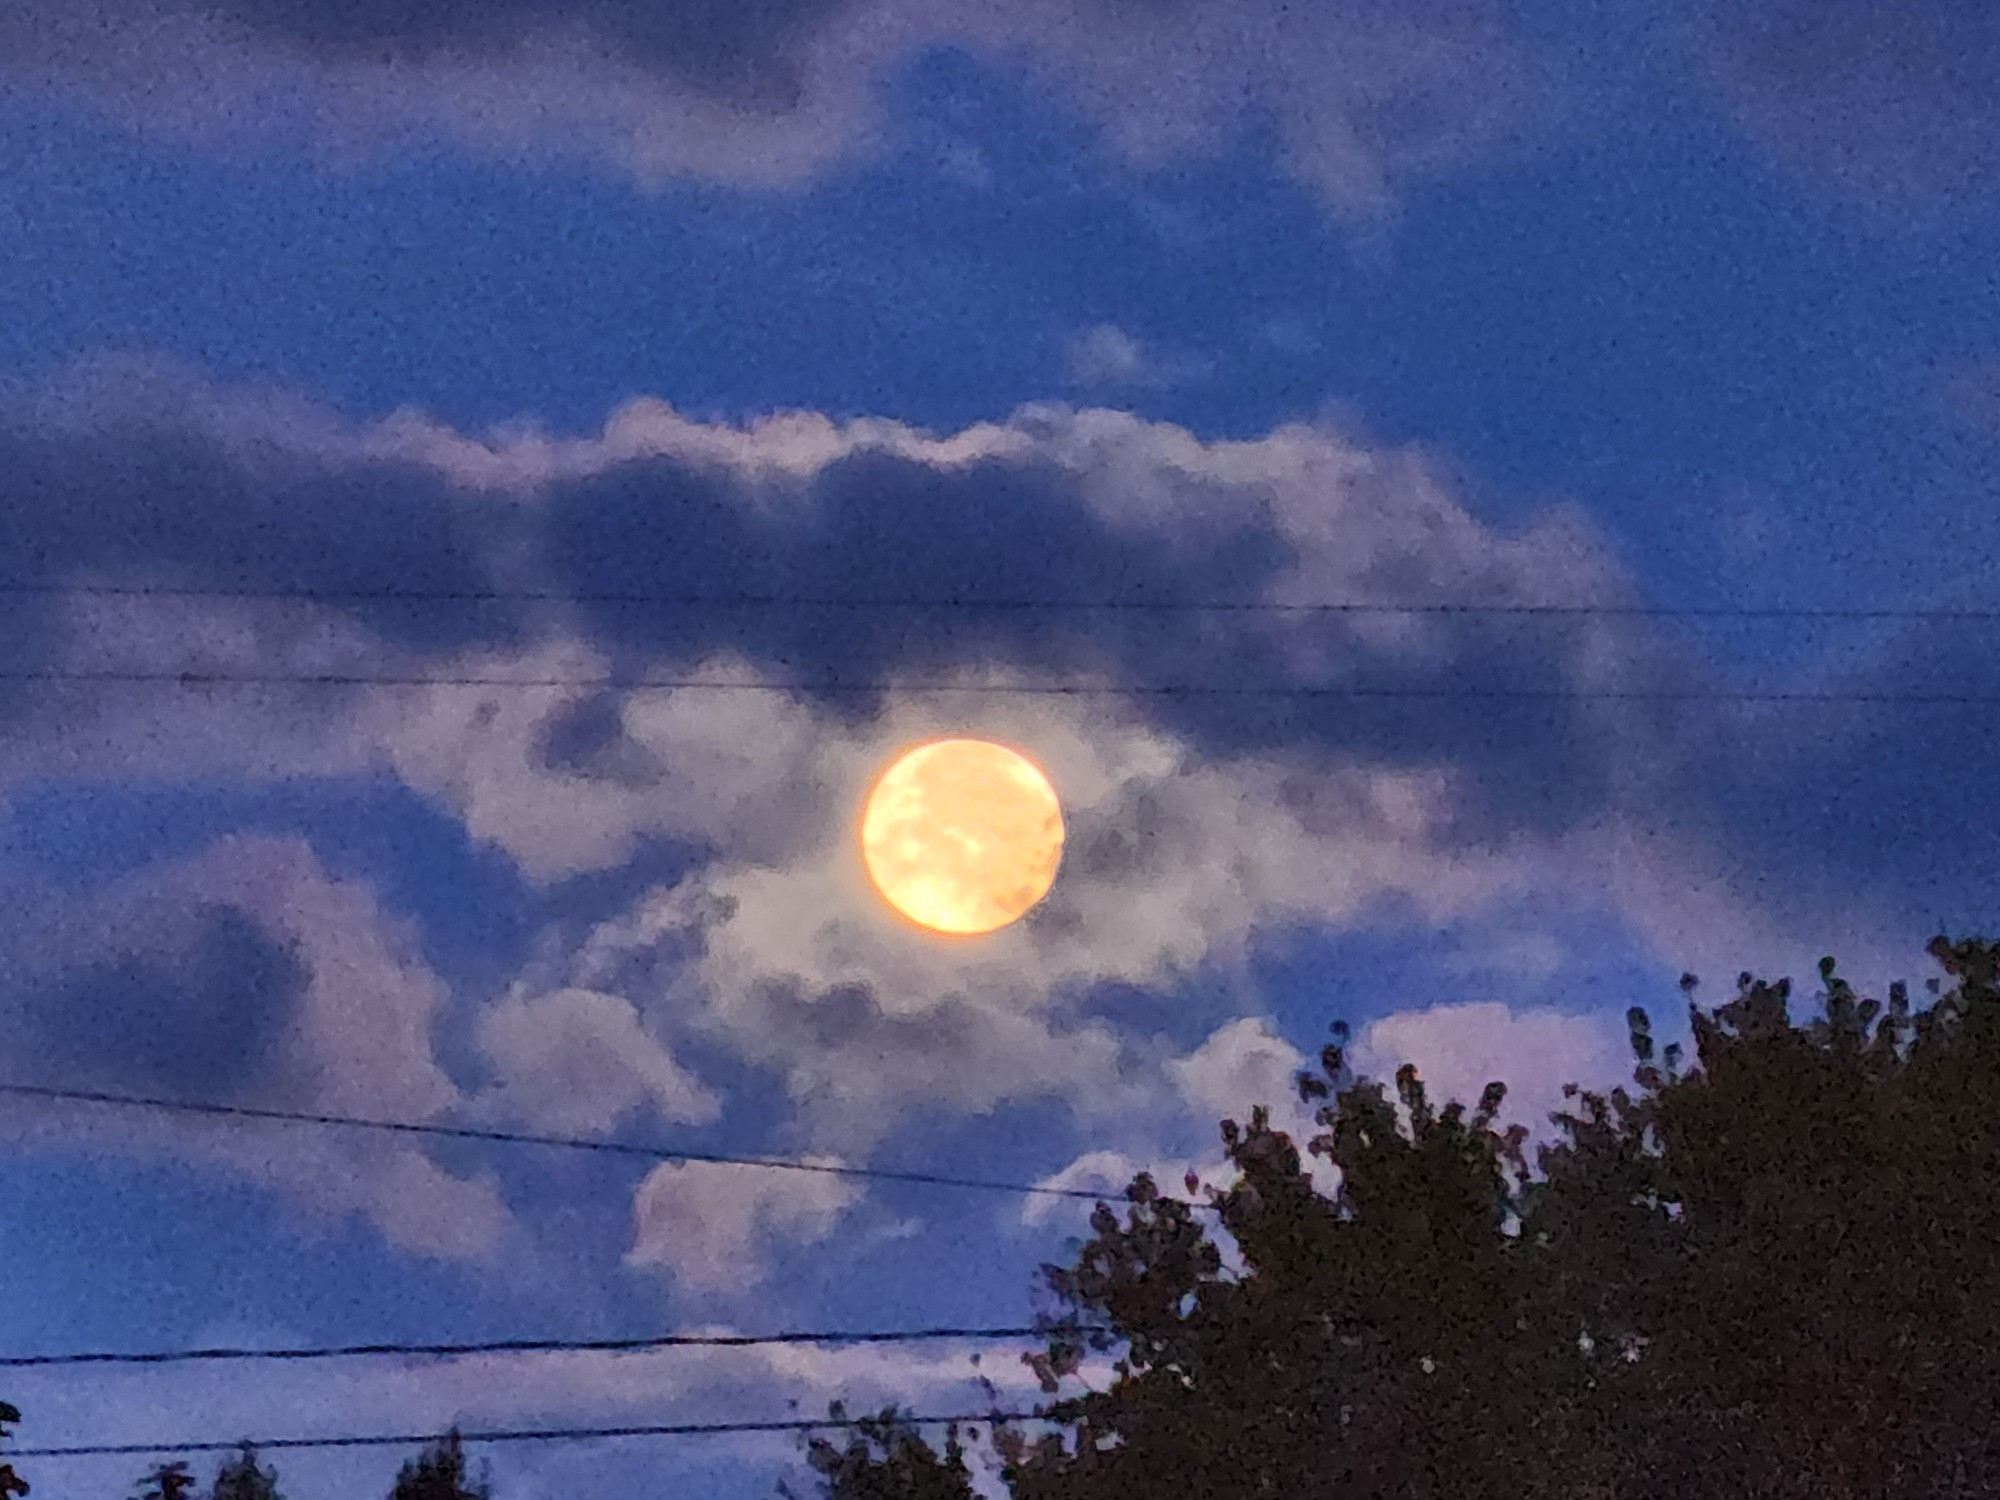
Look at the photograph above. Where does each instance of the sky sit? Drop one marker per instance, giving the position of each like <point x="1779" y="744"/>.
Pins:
<point x="556" y="311"/>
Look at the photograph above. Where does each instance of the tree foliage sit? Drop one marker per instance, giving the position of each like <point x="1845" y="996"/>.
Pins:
<point x="169" y="1481"/>
<point x="438" y="1473"/>
<point x="11" y="1484"/>
<point x="885" y="1458"/>
<point x="242" y="1478"/>
<point x="1772" y="1275"/>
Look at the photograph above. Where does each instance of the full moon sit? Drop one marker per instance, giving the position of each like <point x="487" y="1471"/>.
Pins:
<point x="962" y="836"/>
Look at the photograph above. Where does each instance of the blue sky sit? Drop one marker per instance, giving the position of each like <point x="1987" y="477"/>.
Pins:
<point x="1195" y="302"/>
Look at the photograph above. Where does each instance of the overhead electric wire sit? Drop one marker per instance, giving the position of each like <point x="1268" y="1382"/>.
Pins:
<point x="517" y="1138"/>
<point x="206" y="678"/>
<point x="1166" y="606"/>
<point x="1051" y="689"/>
<point x="539" y="1346"/>
<point x="517" y="1435"/>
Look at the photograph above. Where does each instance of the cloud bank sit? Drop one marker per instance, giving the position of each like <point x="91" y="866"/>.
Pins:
<point x="1364" y="94"/>
<point x="1362" y="99"/>
<point x="1358" y="783"/>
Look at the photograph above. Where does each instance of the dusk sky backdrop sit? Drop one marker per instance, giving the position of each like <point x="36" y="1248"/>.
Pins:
<point x="540" y="302"/>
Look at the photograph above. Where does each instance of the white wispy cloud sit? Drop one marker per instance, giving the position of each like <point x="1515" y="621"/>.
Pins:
<point x="1106" y="357"/>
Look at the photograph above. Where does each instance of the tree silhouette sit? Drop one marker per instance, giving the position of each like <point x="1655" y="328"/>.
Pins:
<point x="1353" y="1353"/>
<point x="886" y="1459"/>
<point x="167" y="1482"/>
<point x="438" y="1473"/>
<point x="241" y="1478"/>
<point x="1773" y="1275"/>
<point x="11" y="1484"/>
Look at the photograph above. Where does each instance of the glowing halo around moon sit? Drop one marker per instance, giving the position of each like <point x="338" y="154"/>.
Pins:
<point x="962" y="836"/>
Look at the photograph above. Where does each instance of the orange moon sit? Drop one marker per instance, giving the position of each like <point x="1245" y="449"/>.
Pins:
<point x="962" y="836"/>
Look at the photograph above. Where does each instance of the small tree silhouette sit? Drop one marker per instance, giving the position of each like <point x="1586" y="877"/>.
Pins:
<point x="168" y="1482"/>
<point x="242" y="1479"/>
<point x="886" y="1459"/>
<point x="438" y="1473"/>
<point x="10" y="1482"/>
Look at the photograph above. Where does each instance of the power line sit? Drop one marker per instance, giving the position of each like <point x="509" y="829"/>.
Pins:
<point x="1161" y="606"/>
<point x="537" y="1346"/>
<point x="514" y="1138"/>
<point x="1143" y="690"/>
<point x="517" y="1435"/>
<point x="570" y="1346"/>
<point x="540" y="1346"/>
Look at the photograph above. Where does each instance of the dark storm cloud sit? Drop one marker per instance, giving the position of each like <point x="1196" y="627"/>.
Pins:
<point x="743" y="51"/>
<point x="881" y="527"/>
<point x="1896" y="103"/>
<point x="1364" y="95"/>
<point x="172" y="508"/>
<point x="1871" y="789"/>
<point x="588" y="740"/>
<point x="200" y="1017"/>
<point x="159" y="505"/>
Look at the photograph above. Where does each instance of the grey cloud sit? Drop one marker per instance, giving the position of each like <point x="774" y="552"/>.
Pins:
<point x="580" y="1061"/>
<point x="244" y="974"/>
<point x="1365" y="94"/>
<point x="790" y="965"/>
<point x="881" y="526"/>
<point x="1897" y="105"/>
<point x="853" y="1068"/>
<point x="523" y="1389"/>
<point x="1790" y="807"/>
<point x="743" y="51"/>
<point x="1198" y="821"/>
<point x="876" y="526"/>
<point x="206" y="1020"/>
<point x="145" y="992"/>
<point x="588" y="740"/>
<point x="1075" y="508"/>
<point x="711" y="1227"/>
<point x="165" y="503"/>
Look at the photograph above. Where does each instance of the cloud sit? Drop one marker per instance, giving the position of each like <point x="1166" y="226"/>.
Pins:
<point x="1123" y="512"/>
<point x="709" y="1225"/>
<point x="1889" y="107"/>
<point x="129" y="466"/>
<point x="1200" y="823"/>
<point x="1241" y="1066"/>
<point x="1459" y="1049"/>
<point x="1100" y="1171"/>
<point x="579" y="1061"/>
<point x="1531" y="957"/>
<point x="1363" y="95"/>
<point x="791" y="963"/>
<point x="1107" y="357"/>
<point x="206" y="1013"/>
<point x="250" y="975"/>
<point x="736" y="53"/>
